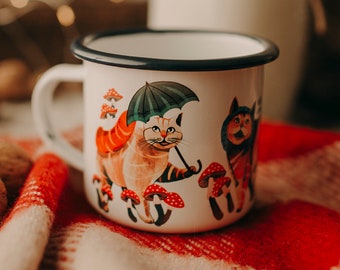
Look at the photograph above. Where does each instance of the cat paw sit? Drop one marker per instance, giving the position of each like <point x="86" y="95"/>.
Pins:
<point x="106" y="190"/>
<point x="102" y="203"/>
<point x="96" y="179"/>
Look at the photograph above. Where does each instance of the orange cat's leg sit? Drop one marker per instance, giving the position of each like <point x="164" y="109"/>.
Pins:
<point x="104" y="192"/>
<point x="145" y="208"/>
<point x="148" y="218"/>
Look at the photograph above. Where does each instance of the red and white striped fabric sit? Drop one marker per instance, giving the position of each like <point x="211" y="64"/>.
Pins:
<point x="24" y="233"/>
<point x="295" y="223"/>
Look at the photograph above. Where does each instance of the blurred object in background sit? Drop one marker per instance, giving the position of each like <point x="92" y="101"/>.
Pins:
<point x="283" y="22"/>
<point x="16" y="80"/>
<point x="36" y="34"/>
<point x="302" y="86"/>
<point x="318" y="103"/>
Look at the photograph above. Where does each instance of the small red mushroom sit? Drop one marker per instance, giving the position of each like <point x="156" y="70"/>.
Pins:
<point x="112" y="94"/>
<point x="152" y="190"/>
<point x="221" y="185"/>
<point x="156" y="193"/>
<point x="108" y="111"/>
<point x="132" y="199"/>
<point x="174" y="200"/>
<point x="129" y="194"/>
<point x="214" y="171"/>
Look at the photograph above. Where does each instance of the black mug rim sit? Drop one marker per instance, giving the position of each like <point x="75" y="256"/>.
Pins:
<point x="80" y="49"/>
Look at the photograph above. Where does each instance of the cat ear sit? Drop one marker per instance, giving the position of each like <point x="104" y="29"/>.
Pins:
<point x="234" y="106"/>
<point x="179" y="119"/>
<point x="253" y="109"/>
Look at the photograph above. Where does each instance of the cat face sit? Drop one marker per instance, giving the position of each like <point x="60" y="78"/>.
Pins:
<point x="163" y="133"/>
<point x="239" y="128"/>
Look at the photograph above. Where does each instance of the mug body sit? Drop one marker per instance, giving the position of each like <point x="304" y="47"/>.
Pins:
<point x="170" y="127"/>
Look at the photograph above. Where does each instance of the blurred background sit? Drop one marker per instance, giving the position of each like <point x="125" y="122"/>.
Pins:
<point x="301" y="87"/>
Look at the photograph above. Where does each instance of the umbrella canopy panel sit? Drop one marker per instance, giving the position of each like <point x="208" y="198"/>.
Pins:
<point x="157" y="98"/>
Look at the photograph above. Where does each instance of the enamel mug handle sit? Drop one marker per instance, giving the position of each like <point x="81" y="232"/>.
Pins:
<point x="42" y="99"/>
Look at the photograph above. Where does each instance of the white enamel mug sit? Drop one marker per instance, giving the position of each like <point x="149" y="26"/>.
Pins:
<point x="170" y="125"/>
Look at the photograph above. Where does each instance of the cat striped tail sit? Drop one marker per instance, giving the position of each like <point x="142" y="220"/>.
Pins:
<point x="114" y="139"/>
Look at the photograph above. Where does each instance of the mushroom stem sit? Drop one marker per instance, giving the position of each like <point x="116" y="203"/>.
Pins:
<point x="162" y="218"/>
<point x="130" y="213"/>
<point x="230" y="203"/>
<point x="131" y="199"/>
<point x="173" y="200"/>
<point x="210" y="187"/>
<point x="165" y="218"/>
<point x="218" y="214"/>
<point x="155" y="193"/>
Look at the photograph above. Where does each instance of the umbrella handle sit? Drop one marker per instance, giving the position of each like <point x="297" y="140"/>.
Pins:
<point x="186" y="164"/>
<point x="199" y="166"/>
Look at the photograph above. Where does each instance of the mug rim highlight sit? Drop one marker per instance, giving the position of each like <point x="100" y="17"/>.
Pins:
<point x="80" y="48"/>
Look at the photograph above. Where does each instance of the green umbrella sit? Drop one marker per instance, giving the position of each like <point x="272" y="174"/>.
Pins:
<point x="157" y="98"/>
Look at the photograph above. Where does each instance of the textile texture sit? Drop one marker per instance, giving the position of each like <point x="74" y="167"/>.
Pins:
<point x="295" y="223"/>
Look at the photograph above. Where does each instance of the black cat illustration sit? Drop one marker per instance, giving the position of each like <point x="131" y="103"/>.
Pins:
<point x="238" y="134"/>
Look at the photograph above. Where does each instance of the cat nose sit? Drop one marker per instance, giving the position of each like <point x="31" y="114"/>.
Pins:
<point x="163" y="134"/>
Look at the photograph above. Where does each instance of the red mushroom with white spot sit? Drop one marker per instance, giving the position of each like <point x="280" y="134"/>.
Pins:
<point x="173" y="200"/>
<point x="108" y="111"/>
<point x="155" y="193"/>
<point x="112" y="94"/>
<point x="206" y="180"/>
<point x="221" y="186"/>
<point x="131" y="199"/>
<point x="210" y="174"/>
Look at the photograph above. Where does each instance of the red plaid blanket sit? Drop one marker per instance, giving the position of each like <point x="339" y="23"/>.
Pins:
<point x="295" y="223"/>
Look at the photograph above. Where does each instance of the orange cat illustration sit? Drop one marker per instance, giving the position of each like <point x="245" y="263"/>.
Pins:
<point x="135" y="155"/>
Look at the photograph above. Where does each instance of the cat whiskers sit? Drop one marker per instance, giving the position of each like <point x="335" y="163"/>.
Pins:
<point x="153" y="141"/>
<point x="174" y="141"/>
<point x="185" y="146"/>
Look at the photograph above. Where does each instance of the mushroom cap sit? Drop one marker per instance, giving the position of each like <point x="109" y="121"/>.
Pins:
<point x="154" y="189"/>
<point x="106" y="109"/>
<point x="214" y="170"/>
<point x="174" y="200"/>
<point x="130" y="194"/>
<point x="112" y="94"/>
<point x="218" y="184"/>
